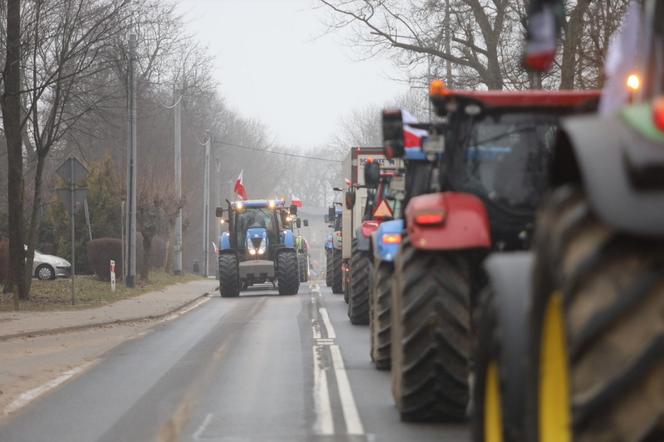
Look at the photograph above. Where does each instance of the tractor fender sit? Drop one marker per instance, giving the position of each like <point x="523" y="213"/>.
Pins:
<point x="224" y="241"/>
<point x="382" y="251"/>
<point x="619" y="167"/>
<point x="465" y="224"/>
<point x="510" y="275"/>
<point x="288" y="239"/>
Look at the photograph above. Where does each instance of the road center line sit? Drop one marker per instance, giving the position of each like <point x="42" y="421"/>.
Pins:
<point x="351" y="415"/>
<point x="324" y="422"/>
<point x="201" y="429"/>
<point x="322" y="311"/>
<point x="348" y="405"/>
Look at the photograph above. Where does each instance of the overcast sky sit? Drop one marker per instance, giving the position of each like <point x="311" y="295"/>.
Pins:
<point x="273" y="63"/>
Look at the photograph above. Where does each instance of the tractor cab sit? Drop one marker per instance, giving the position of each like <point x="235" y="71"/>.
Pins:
<point x="499" y="149"/>
<point x="256" y="227"/>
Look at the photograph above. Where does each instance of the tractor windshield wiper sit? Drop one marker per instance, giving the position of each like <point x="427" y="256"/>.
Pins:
<point x="530" y="128"/>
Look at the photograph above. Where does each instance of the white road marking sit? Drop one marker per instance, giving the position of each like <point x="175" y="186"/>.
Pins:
<point x="316" y="329"/>
<point x="324" y="423"/>
<point x="201" y="429"/>
<point x="328" y="324"/>
<point x="186" y="310"/>
<point x="30" y="395"/>
<point x="351" y="415"/>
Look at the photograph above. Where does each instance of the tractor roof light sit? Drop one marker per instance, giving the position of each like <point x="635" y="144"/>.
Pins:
<point x="239" y="205"/>
<point x="633" y="82"/>
<point x="438" y="88"/>
<point x="658" y="113"/>
<point x="272" y="204"/>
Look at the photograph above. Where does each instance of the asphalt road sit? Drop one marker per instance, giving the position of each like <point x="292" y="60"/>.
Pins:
<point x="255" y="368"/>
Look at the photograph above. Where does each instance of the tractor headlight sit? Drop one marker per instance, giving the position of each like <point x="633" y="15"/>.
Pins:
<point x="253" y="250"/>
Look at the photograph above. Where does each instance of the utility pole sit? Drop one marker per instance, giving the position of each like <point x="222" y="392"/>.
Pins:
<point x="206" y="207"/>
<point x="131" y="166"/>
<point x="448" y="44"/>
<point x="178" y="181"/>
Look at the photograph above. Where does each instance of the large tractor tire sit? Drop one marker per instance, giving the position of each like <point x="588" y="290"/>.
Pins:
<point x="597" y="355"/>
<point x="360" y="282"/>
<point x="229" y="276"/>
<point x="288" y="278"/>
<point x="501" y="349"/>
<point x="431" y="335"/>
<point x="380" y="315"/>
<point x="329" y="267"/>
<point x="302" y="267"/>
<point x="337" y="272"/>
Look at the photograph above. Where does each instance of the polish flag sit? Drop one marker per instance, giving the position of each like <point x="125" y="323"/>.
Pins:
<point x="239" y="187"/>
<point x="295" y="201"/>
<point x="413" y="138"/>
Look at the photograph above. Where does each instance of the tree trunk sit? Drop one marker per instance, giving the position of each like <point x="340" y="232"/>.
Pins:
<point x="170" y="249"/>
<point x="570" y="45"/>
<point x="35" y="220"/>
<point x="147" y="250"/>
<point x="11" y="116"/>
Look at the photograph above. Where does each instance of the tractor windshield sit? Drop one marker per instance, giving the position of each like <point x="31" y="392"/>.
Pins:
<point x="253" y="217"/>
<point x="503" y="158"/>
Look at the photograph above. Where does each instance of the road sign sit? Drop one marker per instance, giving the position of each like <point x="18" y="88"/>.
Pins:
<point x="383" y="210"/>
<point x="72" y="168"/>
<point x="79" y="197"/>
<point x="73" y="172"/>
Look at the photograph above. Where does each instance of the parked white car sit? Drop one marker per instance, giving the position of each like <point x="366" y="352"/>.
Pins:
<point x="50" y="267"/>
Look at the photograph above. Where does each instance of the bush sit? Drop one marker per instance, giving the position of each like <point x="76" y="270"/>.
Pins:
<point x="4" y="260"/>
<point x="100" y="253"/>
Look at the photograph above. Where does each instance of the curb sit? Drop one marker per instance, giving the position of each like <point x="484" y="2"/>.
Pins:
<point x="75" y="328"/>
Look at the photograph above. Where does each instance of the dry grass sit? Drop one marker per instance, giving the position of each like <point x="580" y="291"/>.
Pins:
<point x="56" y="294"/>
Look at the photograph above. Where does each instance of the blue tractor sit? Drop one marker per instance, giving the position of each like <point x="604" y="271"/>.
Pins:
<point x="259" y="247"/>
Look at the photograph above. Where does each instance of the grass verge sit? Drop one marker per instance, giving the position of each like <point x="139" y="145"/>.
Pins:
<point x="90" y="292"/>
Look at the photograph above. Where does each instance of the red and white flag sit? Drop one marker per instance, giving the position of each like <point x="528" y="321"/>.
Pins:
<point x="240" y="191"/>
<point x="295" y="201"/>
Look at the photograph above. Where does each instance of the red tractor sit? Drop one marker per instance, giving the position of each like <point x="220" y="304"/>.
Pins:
<point x="497" y="152"/>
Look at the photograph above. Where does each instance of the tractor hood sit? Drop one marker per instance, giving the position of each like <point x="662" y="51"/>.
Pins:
<point x="256" y="240"/>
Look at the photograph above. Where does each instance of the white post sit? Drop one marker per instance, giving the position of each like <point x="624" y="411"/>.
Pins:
<point x="112" y="276"/>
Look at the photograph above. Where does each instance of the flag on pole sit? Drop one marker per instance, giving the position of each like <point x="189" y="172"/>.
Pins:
<point x="240" y="191"/>
<point x="413" y="138"/>
<point x="295" y="201"/>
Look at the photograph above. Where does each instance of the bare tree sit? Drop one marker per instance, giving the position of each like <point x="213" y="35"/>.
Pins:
<point x="11" y="117"/>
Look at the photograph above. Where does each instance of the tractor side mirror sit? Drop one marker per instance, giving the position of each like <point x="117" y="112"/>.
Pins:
<point x="298" y="223"/>
<point x="371" y="174"/>
<point x="350" y="199"/>
<point x="393" y="140"/>
<point x="219" y="212"/>
<point x="331" y="214"/>
<point x="305" y="222"/>
<point x="293" y="209"/>
<point x="326" y="218"/>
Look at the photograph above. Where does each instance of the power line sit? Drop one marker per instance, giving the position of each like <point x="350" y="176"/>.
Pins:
<point x="276" y="152"/>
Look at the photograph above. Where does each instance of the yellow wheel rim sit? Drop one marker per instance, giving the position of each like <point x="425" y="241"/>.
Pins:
<point x="554" y="387"/>
<point x="493" y="413"/>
